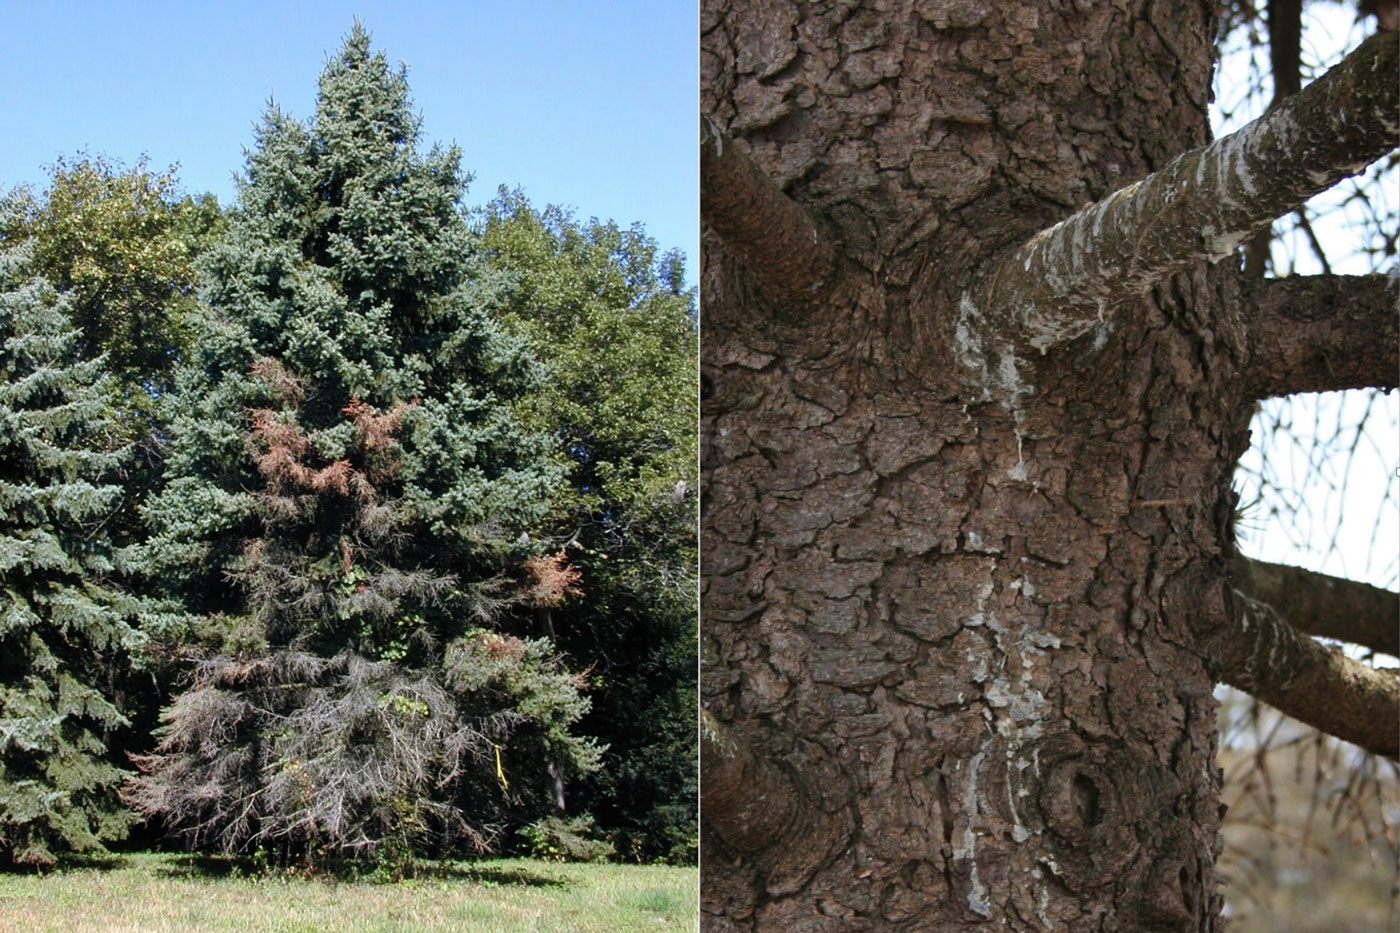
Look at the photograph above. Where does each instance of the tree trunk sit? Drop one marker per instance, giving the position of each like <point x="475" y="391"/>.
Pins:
<point x="960" y="599"/>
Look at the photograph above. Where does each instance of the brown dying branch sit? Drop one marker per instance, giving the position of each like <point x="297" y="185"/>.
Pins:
<point x="1323" y="333"/>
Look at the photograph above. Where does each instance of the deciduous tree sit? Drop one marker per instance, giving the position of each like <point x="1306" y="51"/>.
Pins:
<point x="617" y="327"/>
<point x="121" y="244"/>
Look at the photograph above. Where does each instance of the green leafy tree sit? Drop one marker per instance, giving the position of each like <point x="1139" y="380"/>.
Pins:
<point x="62" y="630"/>
<point x="340" y="526"/>
<point x="613" y="318"/>
<point x="121" y="244"/>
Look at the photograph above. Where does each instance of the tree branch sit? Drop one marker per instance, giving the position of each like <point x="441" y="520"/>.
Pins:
<point x="1323" y="333"/>
<point x="749" y="802"/>
<point x="1318" y="604"/>
<point x="1200" y="207"/>
<point x="775" y="238"/>
<point x="761" y="813"/>
<point x="1265" y="657"/>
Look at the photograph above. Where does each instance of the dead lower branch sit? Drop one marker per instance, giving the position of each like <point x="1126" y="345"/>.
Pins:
<point x="1201" y="207"/>
<point x="1318" y="604"/>
<point x="1267" y="658"/>
<point x="776" y="239"/>
<point x="1322" y="333"/>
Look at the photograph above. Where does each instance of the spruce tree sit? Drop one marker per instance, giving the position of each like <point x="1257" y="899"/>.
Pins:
<point x="120" y="244"/>
<point x="341" y="525"/>
<point x="61" y="627"/>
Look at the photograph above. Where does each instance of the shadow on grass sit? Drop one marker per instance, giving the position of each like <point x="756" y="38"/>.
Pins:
<point x="489" y="875"/>
<point x="206" y="867"/>
<point x="214" y="867"/>
<point x="104" y="862"/>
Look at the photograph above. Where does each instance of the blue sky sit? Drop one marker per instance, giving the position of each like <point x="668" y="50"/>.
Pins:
<point x="590" y="104"/>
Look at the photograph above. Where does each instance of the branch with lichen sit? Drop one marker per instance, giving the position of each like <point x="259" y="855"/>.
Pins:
<point x="1201" y="207"/>
<point x="1261" y="654"/>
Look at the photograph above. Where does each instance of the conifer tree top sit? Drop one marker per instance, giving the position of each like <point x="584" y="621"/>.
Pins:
<point x="359" y="89"/>
<point x="350" y="268"/>
<point x="349" y="256"/>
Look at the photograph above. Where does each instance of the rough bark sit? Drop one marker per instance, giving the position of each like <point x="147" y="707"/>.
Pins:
<point x="966" y="610"/>
<point x="1261" y="654"/>
<point x="1323" y="333"/>
<point x="762" y="813"/>
<point x="1323" y="605"/>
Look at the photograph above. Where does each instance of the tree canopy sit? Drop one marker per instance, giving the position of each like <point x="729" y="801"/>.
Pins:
<point x="617" y="328"/>
<point x="378" y="511"/>
<point x="121" y="246"/>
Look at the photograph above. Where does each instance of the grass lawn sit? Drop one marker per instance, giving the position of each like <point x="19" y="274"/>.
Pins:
<point x="151" y="892"/>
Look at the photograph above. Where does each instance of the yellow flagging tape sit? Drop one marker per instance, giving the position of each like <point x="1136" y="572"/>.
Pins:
<point x="500" y="772"/>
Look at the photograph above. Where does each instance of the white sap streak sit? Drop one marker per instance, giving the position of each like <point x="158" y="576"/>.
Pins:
<point x="1098" y="215"/>
<point x="1246" y="139"/>
<point x="1083" y="242"/>
<point x="967" y="342"/>
<point x="1220" y="245"/>
<point x="1045" y="330"/>
<point x="1013" y="391"/>
<point x="967" y="847"/>
<point x="1101" y="332"/>
<point x="977" y="895"/>
<point x="1222" y="154"/>
<point x="1018" y="832"/>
